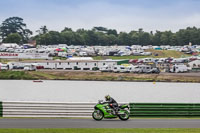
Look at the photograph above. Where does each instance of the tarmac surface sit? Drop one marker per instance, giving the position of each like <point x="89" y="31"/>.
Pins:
<point x="89" y="123"/>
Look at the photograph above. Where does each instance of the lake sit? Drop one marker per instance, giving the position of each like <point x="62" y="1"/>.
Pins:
<point x="92" y="91"/>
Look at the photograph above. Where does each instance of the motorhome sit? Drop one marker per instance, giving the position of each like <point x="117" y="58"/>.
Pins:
<point x="134" y="69"/>
<point x="144" y="69"/>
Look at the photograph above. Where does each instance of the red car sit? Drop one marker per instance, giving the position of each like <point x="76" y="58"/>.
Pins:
<point x="133" y="61"/>
<point x="40" y="67"/>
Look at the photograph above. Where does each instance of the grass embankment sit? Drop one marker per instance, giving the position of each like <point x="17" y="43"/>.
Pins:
<point x="160" y="53"/>
<point x="97" y="76"/>
<point x="167" y="130"/>
<point x="4" y="61"/>
<point x="15" y="75"/>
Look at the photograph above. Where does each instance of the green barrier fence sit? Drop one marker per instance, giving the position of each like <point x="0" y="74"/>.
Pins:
<point x="1" y="109"/>
<point x="164" y="109"/>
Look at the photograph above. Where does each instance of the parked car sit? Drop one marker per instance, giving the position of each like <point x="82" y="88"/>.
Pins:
<point x="133" y="61"/>
<point x="39" y="67"/>
<point x="4" y="66"/>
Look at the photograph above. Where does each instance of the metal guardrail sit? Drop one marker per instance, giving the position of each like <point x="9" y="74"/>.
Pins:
<point x="1" y="109"/>
<point x="164" y="109"/>
<point x="52" y="109"/>
<point x="195" y="69"/>
<point x="41" y="109"/>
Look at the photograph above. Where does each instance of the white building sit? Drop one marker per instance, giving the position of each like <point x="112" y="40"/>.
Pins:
<point x="9" y="45"/>
<point x="72" y="64"/>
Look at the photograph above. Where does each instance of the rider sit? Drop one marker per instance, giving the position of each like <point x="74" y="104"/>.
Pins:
<point x="112" y="101"/>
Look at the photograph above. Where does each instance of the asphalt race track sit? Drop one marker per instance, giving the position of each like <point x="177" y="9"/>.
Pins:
<point x="89" y="123"/>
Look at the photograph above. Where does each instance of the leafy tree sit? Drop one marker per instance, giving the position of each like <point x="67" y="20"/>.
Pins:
<point x="134" y="37"/>
<point x="112" y="39"/>
<point x="14" y="25"/>
<point x="102" y="39"/>
<point x="79" y="39"/>
<point x="13" y="38"/>
<point x="173" y="41"/>
<point x="104" y="36"/>
<point x="112" y="32"/>
<point x="42" y="30"/>
<point x="43" y="39"/>
<point x="66" y="29"/>
<point x="157" y="38"/>
<point x="67" y="37"/>
<point x="100" y="29"/>
<point x="124" y="39"/>
<point x="145" y="39"/>
<point x="166" y="37"/>
<point x="54" y="37"/>
<point x="91" y="38"/>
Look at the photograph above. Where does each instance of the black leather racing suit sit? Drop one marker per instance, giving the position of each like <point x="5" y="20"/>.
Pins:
<point x="114" y="104"/>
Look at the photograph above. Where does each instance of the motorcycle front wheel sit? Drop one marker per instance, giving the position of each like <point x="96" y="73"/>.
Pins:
<point x="97" y="115"/>
<point x="125" y="116"/>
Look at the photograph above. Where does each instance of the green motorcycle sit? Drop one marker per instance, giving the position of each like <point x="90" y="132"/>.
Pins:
<point x="104" y="110"/>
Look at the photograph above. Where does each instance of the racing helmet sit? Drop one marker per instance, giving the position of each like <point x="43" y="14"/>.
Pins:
<point x="107" y="97"/>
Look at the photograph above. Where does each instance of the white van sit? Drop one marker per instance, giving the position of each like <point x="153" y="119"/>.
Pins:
<point x="30" y="67"/>
<point x="106" y="68"/>
<point x="4" y="66"/>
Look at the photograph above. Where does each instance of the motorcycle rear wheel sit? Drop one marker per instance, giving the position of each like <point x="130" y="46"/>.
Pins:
<point x="97" y="115"/>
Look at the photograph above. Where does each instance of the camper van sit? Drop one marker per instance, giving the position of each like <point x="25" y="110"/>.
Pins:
<point x="144" y="69"/>
<point x="134" y="69"/>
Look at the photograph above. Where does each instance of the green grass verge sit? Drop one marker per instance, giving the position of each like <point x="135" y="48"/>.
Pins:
<point x="15" y="75"/>
<point x="100" y="130"/>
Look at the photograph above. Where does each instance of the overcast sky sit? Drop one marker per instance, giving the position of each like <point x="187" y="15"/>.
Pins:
<point x="123" y="15"/>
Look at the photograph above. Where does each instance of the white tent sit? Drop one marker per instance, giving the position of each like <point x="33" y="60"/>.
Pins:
<point x="9" y="45"/>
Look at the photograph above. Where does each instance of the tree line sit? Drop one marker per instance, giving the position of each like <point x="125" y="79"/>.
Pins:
<point x="14" y="30"/>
